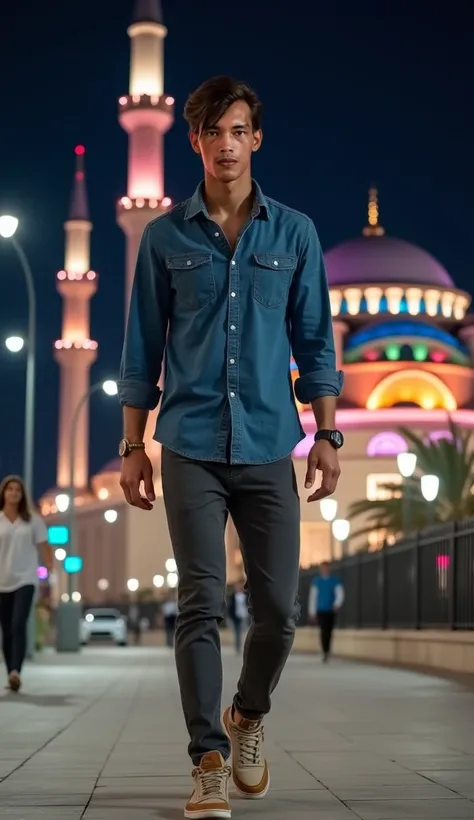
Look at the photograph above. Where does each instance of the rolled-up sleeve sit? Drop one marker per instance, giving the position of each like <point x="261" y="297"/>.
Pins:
<point x="147" y="326"/>
<point x="312" y="339"/>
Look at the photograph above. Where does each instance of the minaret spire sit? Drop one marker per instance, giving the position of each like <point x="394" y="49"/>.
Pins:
<point x="79" y="208"/>
<point x="75" y="351"/>
<point x="147" y="11"/>
<point x="373" y="228"/>
<point x="145" y="113"/>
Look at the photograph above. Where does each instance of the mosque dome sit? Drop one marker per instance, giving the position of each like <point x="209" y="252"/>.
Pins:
<point x="375" y="258"/>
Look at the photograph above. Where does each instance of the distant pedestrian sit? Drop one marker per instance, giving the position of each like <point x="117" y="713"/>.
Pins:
<point x="23" y="538"/>
<point x="170" y="613"/>
<point x="238" y="613"/>
<point x="135" y="623"/>
<point x="325" y="600"/>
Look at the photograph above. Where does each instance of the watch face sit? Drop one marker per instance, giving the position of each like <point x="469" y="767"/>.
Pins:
<point x="337" y="438"/>
<point x="123" y="448"/>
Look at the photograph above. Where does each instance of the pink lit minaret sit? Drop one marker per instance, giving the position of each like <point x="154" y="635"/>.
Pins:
<point x="75" y="352"/>
<point x="146" y="114"/>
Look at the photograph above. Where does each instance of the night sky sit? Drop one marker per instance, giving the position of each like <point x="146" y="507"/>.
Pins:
<point x="354" y="94"/>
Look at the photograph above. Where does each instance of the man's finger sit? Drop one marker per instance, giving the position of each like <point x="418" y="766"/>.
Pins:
<point x="328" y="485"/>
<point x="310" y="473"/>
<point x="148" y="484"/>
<point x="126" y="492"/>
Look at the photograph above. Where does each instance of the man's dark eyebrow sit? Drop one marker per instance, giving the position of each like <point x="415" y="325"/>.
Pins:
<point x="217" y="127"/>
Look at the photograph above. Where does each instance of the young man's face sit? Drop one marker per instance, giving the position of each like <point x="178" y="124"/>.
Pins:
<point x="226" y="147"/>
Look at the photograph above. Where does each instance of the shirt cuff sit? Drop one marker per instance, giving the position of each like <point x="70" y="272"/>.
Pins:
<point x="142" y="395"/>
<point x="318" y="384"/>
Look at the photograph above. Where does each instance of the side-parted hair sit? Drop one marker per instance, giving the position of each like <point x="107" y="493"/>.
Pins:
<point x="205" y="106"/>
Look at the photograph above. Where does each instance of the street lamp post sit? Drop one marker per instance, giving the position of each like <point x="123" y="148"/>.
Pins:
<point x="328" y="508"/>
<point x="341" y="528"/>
<point x="69" y="612"/>
<point x="406" y="463"/>
<point x="8" y="226"/>
<point x="429" y="490"/>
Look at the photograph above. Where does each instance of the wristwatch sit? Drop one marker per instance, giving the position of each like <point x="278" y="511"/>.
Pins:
<point x="126" y="447"/>
<point x="335" y="437"/>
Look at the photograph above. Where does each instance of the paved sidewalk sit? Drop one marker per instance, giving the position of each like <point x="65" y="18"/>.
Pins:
<point x="100" y="737"/>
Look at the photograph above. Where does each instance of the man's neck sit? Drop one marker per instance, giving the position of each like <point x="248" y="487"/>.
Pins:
<point x="234" y="199"/>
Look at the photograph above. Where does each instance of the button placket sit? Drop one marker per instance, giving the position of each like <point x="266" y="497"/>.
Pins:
<point x="232" y="350"/>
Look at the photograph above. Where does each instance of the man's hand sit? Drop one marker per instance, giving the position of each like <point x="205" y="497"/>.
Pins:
<point x="136" y="468"/>
<point x="322" y="457"/>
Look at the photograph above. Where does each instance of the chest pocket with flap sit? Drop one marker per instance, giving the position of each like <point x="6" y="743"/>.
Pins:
<point x="192" y="279"/>
<point x="272" y="278"/>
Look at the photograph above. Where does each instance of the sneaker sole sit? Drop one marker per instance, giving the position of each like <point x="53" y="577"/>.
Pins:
<point x="246" y="795"/>
<point x="205" y="814"/>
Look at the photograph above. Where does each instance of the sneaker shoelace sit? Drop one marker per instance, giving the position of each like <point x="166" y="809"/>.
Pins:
<point x="250" y="746"/>
<point x="213" y="783"/>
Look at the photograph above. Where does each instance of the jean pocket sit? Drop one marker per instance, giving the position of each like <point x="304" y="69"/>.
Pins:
<point x="192" y="279"/>
<point x="272" y="278"/>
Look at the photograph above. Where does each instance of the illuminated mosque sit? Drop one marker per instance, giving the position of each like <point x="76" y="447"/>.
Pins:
<point x="401" y="334"/>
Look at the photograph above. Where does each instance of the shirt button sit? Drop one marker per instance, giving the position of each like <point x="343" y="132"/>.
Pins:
<point x="232" y="327"/>
<point x="233" y="262"/>
<point x="232" y="395"/>
<point x="275" y="263"/>
<point x="189" y="262"/>
<point x="232" y="361"/>
<point x="217" y="233"/>
<point x="233" y="294"/>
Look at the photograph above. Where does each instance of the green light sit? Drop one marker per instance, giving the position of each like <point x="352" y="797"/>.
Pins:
<point x="420" y="353"/>
<point x="392" y="352"/>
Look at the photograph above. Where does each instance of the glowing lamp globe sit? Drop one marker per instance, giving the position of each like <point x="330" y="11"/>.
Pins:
<point x="429" y="487"/>
<point x="110" y="387"/>
<point x="341" y="528"/>
<point x="14" y="344"/>
<point x="8" y="226"/>
<point x="406" y="463"/>
<point x="328" y="507"/>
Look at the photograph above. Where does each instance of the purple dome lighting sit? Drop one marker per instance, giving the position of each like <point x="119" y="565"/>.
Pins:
<point x="382" y="259"/>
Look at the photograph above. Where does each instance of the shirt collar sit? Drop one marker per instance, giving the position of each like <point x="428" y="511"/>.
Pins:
<point x="196" y="204"/>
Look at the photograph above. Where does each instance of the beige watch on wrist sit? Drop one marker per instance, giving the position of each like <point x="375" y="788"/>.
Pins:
<point x="126" y="447"/>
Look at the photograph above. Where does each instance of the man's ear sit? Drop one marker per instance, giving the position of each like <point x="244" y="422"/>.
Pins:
<point x="257" y="139"/>
<point x="194" y="140"/>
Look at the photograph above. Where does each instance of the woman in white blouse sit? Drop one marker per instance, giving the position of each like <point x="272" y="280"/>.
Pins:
<point x="22" y="535"/>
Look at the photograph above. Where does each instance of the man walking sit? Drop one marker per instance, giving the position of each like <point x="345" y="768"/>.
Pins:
<point x="228" y="284"/>
<point x="326" y="597"/>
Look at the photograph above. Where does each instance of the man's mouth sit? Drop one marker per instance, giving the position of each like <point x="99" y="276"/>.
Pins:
<point x="227" y="161"/>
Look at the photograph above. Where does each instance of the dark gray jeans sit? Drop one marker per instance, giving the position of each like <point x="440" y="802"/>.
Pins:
<point x="264" y="505"/>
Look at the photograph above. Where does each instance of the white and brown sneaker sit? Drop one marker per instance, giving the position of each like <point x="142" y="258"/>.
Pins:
<point x="14" y="682"/>
<point x="249" y="768"/>
<point x="210" y="797"/>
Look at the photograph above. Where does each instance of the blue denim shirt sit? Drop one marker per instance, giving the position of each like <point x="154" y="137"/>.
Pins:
<point x="226" y="322"/>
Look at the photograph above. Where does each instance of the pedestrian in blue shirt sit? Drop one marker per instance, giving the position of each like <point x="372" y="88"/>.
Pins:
<point x="228" y="285"/>
<point x="326" y="597"/>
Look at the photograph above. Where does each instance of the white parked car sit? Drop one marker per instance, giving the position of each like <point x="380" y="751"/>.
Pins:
<point x="104" y="623"/>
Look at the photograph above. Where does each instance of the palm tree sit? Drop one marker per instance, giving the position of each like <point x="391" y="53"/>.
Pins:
<point x="452" y="460"/>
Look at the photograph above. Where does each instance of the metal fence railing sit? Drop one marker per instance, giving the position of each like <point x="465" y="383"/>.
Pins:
<point x="423" y="582"/>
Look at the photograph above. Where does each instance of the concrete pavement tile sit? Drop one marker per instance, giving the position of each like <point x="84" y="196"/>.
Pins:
<point x="318" y="763"/>
<point x="409" y="791"/>
<point x="47" y="799"/>
<point x="42" y="813"/>
<point x="456" y="809"/>
<point x="417" y="763"/>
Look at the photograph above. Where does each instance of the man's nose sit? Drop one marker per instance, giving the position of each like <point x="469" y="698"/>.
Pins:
<point x="225" y="144"/>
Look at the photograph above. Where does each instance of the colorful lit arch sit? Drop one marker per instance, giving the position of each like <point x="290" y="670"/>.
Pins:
<point x="386" y="443"/>
<point x="412" y="387"/>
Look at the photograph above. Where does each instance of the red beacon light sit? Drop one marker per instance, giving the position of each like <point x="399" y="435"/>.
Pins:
<point x="79" y="150"/>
